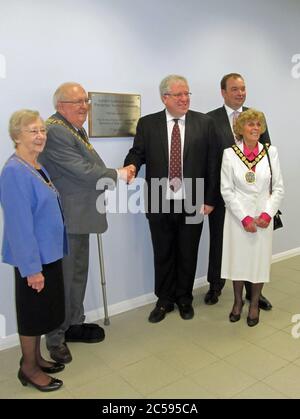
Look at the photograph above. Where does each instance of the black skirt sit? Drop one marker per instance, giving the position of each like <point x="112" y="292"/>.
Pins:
<point x="40" y="312"/>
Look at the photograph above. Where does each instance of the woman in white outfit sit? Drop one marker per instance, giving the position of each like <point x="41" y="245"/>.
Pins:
<point x="250" y="207"/>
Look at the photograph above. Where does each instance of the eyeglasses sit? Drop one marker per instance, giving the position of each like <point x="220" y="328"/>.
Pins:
<point x="78" y="102"/>
<point x="179" y="95"/>
<point x="43" y="131"/>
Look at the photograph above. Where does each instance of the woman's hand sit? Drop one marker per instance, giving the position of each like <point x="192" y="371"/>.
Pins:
<point x="36" y="281"/>
<point x="261" y="223"/>
<point x="251" y="227"/>
<point x="263" y="220"/>
<point x="249" y="224"/>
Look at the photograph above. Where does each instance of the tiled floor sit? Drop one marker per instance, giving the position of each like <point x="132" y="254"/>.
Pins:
<point x="207" y="357"/>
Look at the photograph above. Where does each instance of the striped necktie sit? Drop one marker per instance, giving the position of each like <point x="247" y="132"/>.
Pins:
<point x="235" y="116"/>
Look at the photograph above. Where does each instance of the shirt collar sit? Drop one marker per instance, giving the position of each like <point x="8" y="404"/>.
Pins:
<point x="250" y="154"/>
<point x="171" y="117"/>
<point x="230" y="110"/>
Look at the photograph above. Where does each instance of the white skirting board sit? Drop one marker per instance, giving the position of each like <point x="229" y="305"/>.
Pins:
<point x="95" y="315"/>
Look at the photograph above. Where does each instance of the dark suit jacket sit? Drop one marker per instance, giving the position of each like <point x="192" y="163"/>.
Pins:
<point x="150" y="147"/>
<point x="225" y="135"/>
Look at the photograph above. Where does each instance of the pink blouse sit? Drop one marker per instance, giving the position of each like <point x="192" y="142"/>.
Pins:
<point x="251" y="155"/>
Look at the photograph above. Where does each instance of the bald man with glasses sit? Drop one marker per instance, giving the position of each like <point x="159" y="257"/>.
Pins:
<point x="75" y="168"/>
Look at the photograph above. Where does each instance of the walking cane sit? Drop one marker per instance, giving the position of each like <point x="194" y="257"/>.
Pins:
<point x="103" y="283"/>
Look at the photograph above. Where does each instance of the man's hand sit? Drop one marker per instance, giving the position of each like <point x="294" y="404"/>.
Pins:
<point x="127" y="173"/>
<point x="207" y="209"/>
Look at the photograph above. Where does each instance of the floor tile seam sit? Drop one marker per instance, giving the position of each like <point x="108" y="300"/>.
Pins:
<point x="260" y="378"/>
<point x="276" y="354"/>
<point x="114" y="374"/>
<point x="184" y="377"/>
<point x="260" y="381"/>
<point x="144" y="394"/>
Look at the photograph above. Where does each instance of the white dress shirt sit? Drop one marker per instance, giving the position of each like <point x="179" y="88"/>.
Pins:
<point x="180" y="194"/>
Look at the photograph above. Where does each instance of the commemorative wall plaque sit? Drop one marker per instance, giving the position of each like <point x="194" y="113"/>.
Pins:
<point x="113" y="114"/>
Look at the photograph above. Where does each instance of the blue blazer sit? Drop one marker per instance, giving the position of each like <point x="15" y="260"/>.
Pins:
<point x="34" y="231"/>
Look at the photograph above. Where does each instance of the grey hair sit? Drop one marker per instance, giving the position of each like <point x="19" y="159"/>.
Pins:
<point x="61" y="92"/>
<point x="166" y="83"/>
<point x="19" y="119"/>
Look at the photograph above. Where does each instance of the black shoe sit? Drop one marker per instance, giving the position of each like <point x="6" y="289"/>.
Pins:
<point x="253" y="322"/>
<point x="159" y="313"/>
<point x="86" y="333"/>
<point x="236" y="317"/>
<point x="186" y="311"/>
<point x="61" y="353"/>
<point x="211" y="297"/>
<point x="54" y="369"/>
<point x="53" y="385"/>
<point x="263" y="303"/>
<point x="91" y="325"/>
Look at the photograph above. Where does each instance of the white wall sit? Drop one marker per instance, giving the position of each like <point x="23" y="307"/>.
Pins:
<point x="129" y="46"/>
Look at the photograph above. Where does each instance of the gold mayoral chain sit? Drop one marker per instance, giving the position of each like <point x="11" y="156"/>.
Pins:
<point x="54" y="121"/>
<point x="250" y="176"/>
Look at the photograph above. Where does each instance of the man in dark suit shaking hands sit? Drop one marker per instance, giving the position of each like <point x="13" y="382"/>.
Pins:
<point x="178" y="147"/>
<point x="233" y="90"/>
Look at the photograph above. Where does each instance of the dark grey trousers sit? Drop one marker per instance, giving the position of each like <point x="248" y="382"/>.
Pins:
<point x="75" y="271"/>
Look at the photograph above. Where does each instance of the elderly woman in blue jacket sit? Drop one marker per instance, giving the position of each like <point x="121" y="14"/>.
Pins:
<point x="34" y="242"/>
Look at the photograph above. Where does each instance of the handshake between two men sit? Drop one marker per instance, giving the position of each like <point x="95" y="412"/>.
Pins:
<point x="127" y="173"/>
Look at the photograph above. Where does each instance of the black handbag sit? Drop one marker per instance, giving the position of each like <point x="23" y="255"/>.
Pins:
<point x="277" y="223"/>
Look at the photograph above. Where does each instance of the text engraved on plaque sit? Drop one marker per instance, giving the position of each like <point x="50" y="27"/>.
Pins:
<point x="113" y="114"/>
